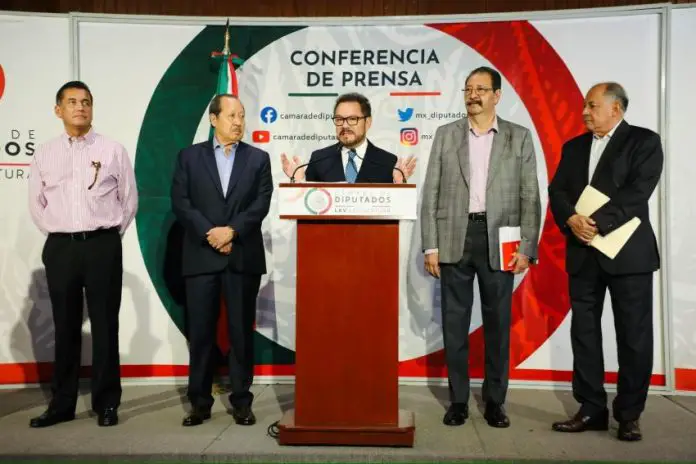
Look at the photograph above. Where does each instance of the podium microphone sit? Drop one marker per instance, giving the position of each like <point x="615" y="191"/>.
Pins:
<point x="394" y="168"/>
<point x="292" y="178"/>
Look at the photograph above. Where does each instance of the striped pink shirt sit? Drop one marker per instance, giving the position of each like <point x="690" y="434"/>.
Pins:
<point x="61" y="172"/>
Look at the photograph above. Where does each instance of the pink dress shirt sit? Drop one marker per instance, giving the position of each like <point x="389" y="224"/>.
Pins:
<point x="479" y="158"/>
<point x="62" y="170"/>
<point x="480" y="146"/>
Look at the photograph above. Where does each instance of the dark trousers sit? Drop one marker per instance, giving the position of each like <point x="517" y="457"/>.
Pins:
<point x="495" y="288"/>
<point x="203" y="302"/>
<point x="631" y="300"/>
<point x="94" y="265"/>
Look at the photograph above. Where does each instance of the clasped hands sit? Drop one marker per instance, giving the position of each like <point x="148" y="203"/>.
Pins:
<point x="406" y="165"/>
<point x="584" y="228"/>
<point x="220" y="238"/>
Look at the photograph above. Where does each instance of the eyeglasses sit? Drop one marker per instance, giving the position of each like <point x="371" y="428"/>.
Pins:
<point x="479" y="90"/>
<point x="352" y="120"/>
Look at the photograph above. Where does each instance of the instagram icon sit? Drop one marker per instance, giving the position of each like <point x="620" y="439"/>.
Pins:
<point x="409" y="136"/>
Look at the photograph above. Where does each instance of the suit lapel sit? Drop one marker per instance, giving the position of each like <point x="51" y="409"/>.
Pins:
<point x="463" y="150"/>
<point x="368" y="164"/>
<point x="211" y="165"/>
<point x="611" y="151"/>
<point x="241" y="156"/>
<point x="501" y="139"/>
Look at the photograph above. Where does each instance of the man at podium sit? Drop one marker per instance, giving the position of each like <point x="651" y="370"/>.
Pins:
<point x="481" y="179"/>
<point x="354" y="159"/>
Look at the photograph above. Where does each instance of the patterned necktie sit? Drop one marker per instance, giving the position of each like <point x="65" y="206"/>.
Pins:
<point x="351" y="168"/>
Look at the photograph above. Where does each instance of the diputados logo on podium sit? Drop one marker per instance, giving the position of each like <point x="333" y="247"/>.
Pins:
<point x="347" y="201"/>
<point x="318" y="201"/>
<point x="304" y="199"/>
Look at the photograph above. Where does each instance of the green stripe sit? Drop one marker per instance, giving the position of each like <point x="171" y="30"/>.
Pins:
<point x="223" y="78"/>
<point x="299" y="94"/>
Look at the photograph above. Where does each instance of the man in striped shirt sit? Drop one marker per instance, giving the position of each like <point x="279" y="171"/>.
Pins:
<point x="82" y="195"/>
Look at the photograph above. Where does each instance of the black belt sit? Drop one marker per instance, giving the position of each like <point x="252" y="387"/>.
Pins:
<point x="84" y="235"/>
<point x="477" y="217"/>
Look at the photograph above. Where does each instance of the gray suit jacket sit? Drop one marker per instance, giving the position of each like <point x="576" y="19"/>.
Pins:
<point x="512" y="191"/>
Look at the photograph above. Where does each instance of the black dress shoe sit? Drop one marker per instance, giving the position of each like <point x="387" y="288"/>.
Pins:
<point x="196" y="417"/>
<point x="243" y="415"/>
<point x="456" y="414"/>
<point x="581" y="423"/>
<point x="495" y="416"/>
<point x="629" y="431"/>
<point x="51" y="417"/>
<point x="108" y="417"/>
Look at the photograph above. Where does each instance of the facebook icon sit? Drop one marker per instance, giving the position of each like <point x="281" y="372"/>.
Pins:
<point x="269" y="115"/>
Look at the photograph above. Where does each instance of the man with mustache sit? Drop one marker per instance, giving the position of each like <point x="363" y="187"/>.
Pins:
<point x="354" y="158"/>
<point x="481" y="176"/>
<point x="221" y="192"/>
<point x="625" y="163"/>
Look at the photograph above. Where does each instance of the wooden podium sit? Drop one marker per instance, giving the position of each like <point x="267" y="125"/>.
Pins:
<point x="347" y="310"/>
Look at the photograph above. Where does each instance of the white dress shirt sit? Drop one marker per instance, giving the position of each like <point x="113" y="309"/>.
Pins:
<point x="598" y="146"/>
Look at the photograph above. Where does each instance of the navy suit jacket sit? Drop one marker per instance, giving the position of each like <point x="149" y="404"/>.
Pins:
<point x="326" y="165"/>
<point x="200" y="204"/>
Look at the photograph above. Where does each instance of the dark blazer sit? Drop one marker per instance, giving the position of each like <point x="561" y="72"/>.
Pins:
<point x="326" y="165"/>
<point x="628" y="172"/>
<point x="199" y="204"/>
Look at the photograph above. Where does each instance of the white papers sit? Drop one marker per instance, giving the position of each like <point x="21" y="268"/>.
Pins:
<point x="590" y="201"/>
<point x="612" y="243"/>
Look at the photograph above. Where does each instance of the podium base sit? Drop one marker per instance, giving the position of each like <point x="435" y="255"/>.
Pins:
<point x="399" y="435"/>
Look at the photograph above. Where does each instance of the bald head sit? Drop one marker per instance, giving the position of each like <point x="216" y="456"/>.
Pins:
<point x="605" y="105"/>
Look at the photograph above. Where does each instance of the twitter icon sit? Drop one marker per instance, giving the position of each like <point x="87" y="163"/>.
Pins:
<point x="405" y="115"/>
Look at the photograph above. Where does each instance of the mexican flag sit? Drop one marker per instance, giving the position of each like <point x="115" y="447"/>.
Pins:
<point x="226" y="84"/>
<point x="227" y="76"/>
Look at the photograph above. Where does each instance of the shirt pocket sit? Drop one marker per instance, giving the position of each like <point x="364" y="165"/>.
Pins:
<point x="102" y="180"/>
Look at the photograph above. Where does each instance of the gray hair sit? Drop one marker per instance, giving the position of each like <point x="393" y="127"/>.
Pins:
<point x="616" y="91"/>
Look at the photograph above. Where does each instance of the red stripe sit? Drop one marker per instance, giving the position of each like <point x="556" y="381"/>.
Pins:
<point x="542" y="375"/>
<point x="433" y="366"/>
<point x="20" y="373"/>
<point x="414" y="94"/>
<point x="685" y="379"/>
<point x="233" y="75"/>
<point x="41" y="372"/>
<point x="15" y="164"/>
<point x="2" y="81"/>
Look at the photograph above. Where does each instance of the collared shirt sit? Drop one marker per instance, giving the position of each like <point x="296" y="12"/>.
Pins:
<point x="598" y="146"/>
<point x="62" y="171"/>
<point x="224" y="163"/>
<point x="360" y="150"/>
<point x="479" y="158"/>
<point x="480" y="146"/>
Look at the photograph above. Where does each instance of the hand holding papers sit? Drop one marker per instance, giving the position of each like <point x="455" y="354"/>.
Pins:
<point x="590" y="201"/>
